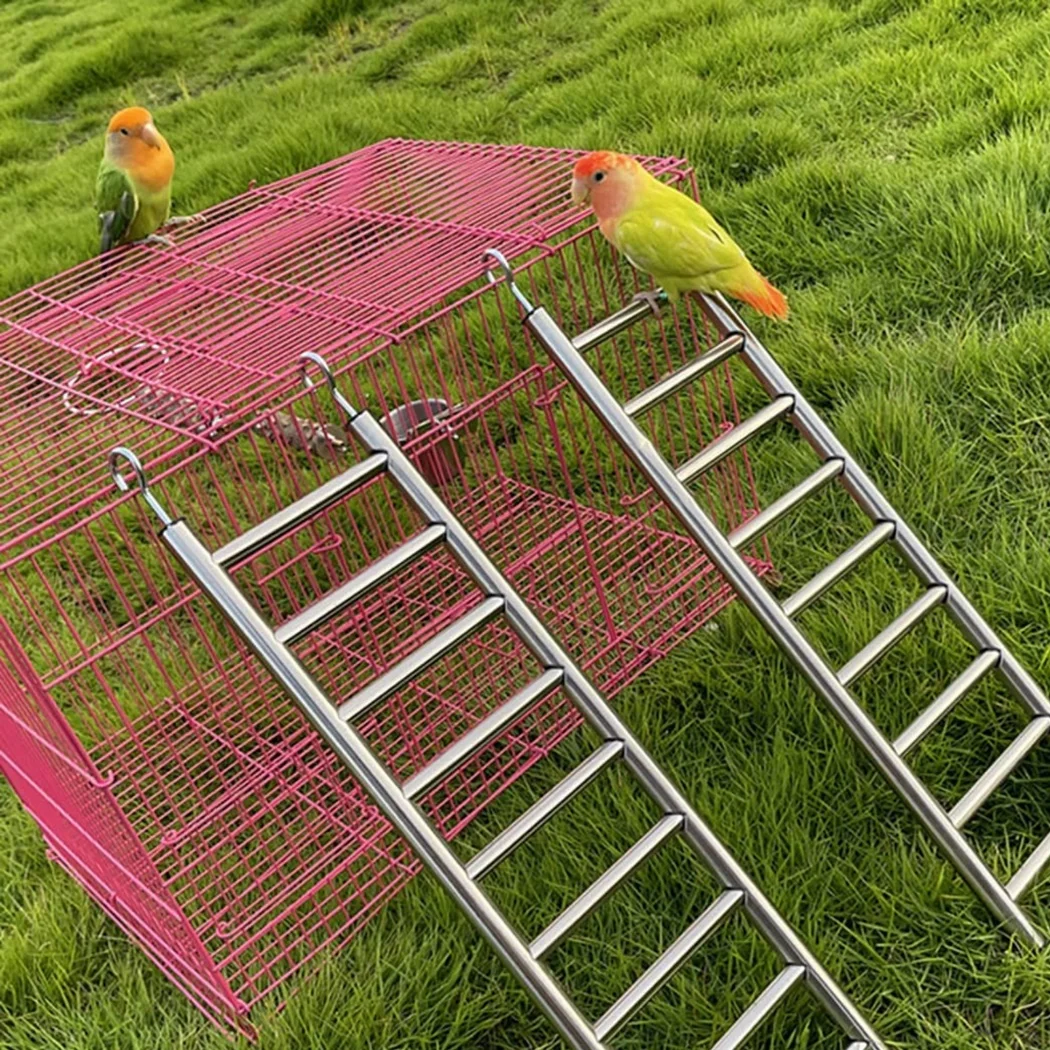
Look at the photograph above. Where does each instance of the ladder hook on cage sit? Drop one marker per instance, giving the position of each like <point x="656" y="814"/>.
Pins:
<point x="310" y="358"/>
<point x="123" y="453"/>
<point x="500" y="259"/>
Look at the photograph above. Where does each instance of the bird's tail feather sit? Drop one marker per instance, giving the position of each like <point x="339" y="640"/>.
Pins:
<point x="756" y="291"/>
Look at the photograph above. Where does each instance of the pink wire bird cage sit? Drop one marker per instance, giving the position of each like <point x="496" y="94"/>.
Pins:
<point x="167" y="773"/>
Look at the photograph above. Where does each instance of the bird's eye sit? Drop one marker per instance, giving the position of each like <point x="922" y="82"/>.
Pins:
<point x="599" y="175"/>
<point x="123" y="131"/>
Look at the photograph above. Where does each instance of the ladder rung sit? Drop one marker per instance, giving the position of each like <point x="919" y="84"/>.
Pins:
<point x="615" y="323"/>
<point x="892" y="633"/>
<point x="750" y="1020"/>
<point x="731" y="440"/>
<point x="542" y="810"/>
<point x="999" y="770"/>
<point x="605" y="884"/>
<point x="808" y="593"/>
<point x="485" y="731"/>
<point x="668" y="964"/>
<point x="257" y="537"/>
<point x="357" y="587"/>
<point x="946" y="701"/>
<point x="1026" y="875"/>
<point x="681" y="377"/>
<point x="418" y="661"/>
<point x="769" y="516"/>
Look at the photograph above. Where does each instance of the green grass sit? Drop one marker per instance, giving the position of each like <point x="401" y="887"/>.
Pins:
<point x="887" y="162"/>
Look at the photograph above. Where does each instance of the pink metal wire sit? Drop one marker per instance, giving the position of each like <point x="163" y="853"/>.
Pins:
<point x="167" y="773"/>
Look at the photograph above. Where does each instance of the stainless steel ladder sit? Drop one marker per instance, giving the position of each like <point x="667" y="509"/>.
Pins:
<point x="670" y="484"/>
<point x="398" y="801"/>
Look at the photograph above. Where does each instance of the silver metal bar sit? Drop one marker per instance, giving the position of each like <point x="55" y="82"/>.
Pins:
<point x="483" y="733"/>
<point x="727" y="443"/>
<point x="848" y="560"/>
<point x="257" y="537"/>
<point x="508" y="840"/>
<point x="614" y="324"/>
<point x="999" y="770"/>
<point x="600" y="714"/>
<point x="796" y="646"/>
<point x="374" y="778"/>
<point x="420" y="659"/>
<point x="892" y="633"/>
<point x="878" y="508"/>
<point x="682" y="377"/>
<point x="955" y="692"/>
<point x="598" y="890"/>
<point x="358" y="586"/>
<point x="670" y="961"/>
<point x="769" y="998"/>
<point x="769" y="516"/>
<point x="1028" y="872"/>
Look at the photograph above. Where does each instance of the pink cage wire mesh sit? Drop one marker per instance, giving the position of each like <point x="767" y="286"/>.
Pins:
<point x="167" y="773"/>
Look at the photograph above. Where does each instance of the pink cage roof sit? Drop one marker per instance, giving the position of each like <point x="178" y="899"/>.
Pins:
<point x="341" y="260"/>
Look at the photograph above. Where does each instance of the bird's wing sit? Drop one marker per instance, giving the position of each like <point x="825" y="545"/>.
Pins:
<point x="668" y="234"/>
<point x="115" y="203"/>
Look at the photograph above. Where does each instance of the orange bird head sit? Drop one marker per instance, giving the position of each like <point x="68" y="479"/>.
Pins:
<point x="606" y="181"/>
<point x="133" y="141"/>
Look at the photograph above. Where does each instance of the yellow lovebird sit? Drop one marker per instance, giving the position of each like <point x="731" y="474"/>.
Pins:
<point x="133" y="189"/>
<point x="667" y="234"/>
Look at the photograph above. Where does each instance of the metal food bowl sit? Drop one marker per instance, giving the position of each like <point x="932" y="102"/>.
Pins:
<point x="440" y="460"/>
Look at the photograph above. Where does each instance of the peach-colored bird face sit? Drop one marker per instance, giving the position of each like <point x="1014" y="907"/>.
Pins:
<point x="603" y="180"/>
<point x="131" y="136"/>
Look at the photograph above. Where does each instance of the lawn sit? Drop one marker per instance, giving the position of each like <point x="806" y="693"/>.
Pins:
<point x="886" y="163"/>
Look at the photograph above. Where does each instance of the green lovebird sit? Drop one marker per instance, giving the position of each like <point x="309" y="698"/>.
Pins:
<point x="133" y="189"/>
<point x="667" y="234"/>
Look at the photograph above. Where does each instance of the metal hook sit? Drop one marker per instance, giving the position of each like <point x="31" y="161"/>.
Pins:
<point x="508" y="277"/>
<point x="121" y="452"/>
<point x="310" y="358"/>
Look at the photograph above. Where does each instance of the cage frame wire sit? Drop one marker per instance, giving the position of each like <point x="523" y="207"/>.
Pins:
<point x="109" y="669"/>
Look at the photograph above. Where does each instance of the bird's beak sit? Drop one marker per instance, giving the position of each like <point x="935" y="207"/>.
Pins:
<point x="581" y="194"/>
<point x="150" y="135"/>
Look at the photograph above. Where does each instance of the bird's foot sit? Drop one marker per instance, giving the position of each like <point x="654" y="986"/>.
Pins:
<point x="158" y="238"/>
<point x="182" y="220"/>
<point x="655" y="297"/>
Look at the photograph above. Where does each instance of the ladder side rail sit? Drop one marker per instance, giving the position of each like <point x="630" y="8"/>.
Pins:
<point x="607" y="723"/>
<point x="352" y="750"/>
<point x="976" y="629"/>
<point x="769" y="613"/>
